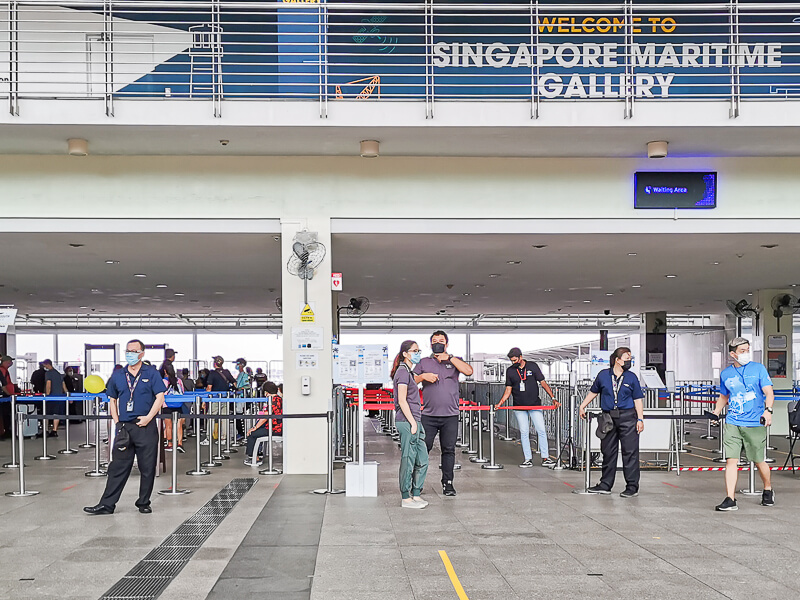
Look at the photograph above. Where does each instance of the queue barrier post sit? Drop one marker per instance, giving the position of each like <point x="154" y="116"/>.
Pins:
<point x="96" y="472"/>
<point x="480" y="458"/>
<point x="329" y="489"/>
<point x="271" y="470"/>
<point x="229" y="424"/>
<point x="22" y="492"/>
<point x="681" y="423"/>
<point x="492" y="466"/>
<point x="44" y="455"/>
<point x="173" y="489"/>
<point x="212" y="460"/>
<point x="67" y="449"/>
<point x="587" y="458"/>
<point x="767" y="448"/>
<point x="559" y="466"/>
<point x="15" y="432"/>
<point x="507" y="436"/>
<point x="721" y="448"/>
<point x="198" y="467"/>
<point x="87" y="408"/>
<point x="470" y="435"/>
<point x="751" y="489"/>
<point x="219" y="455"/>
<point x="461" y="440"/>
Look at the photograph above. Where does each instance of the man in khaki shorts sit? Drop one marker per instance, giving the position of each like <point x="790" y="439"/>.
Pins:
<point x="747" y="390"/>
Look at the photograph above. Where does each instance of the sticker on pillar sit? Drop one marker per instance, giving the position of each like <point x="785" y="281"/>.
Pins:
<point x="307" y="360"/>
<point x="307" y="315"/>
<point x="336" y="282"/>
<point x="307" y="338"/>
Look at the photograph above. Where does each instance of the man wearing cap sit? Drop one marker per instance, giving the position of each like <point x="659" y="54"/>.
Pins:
<point x="54" y="386"/>
<point x="523" y="378"/>
<point x="746" y="388"/>
<point x="135" y="397"/>
<point x="244" y="388"/>
<point x="219" y="380"/>
<point x="439" y="375"/>
<point x="7" y="389"/>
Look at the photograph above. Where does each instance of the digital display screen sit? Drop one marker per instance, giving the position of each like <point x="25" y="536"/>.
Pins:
<point x="675" y="190"/>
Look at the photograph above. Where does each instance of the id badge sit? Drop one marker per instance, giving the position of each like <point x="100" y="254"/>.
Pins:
<point x="130" y="406"/>
<point x="521" y="386"/>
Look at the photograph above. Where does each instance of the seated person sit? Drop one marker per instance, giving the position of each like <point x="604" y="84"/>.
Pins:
<point x="272" y="394"/>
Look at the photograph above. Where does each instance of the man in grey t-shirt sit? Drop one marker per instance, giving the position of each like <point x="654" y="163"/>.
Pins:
<point x="439" y="375"/>
<point x="54" y="386"/>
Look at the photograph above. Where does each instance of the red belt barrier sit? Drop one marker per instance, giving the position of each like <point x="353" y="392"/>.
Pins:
<point x="550" y="407"/>
<point x="740" y="468"/>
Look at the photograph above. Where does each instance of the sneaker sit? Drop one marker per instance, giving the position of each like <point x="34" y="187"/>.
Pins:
<point x="768" y="498"/>
<point x="168" y="447"/>
<point x="419" y="500"/>
<point x="727" y="504"/>
<point x="448" y="489"/>
<point x="548" y="462"/>
<point x="410" y="503"/>
<point x="628" y="494"/>
<point x="180" y="449"/>
<point x="204" y="442"/>
<point x="526" y="464"/>
<point x="596" y="489"/>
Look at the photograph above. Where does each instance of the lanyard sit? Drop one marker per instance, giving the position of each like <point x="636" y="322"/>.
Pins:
<point x="522" y="374"/>
<point x="741" y="375"/>
<point x="131" y="386"/>
<point x="616" y="385"/>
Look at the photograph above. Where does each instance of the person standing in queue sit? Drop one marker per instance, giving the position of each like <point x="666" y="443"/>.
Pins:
<point x="135" y="397"/>
<point x="523" y="378"/>
<point x="746" y="388"/>
<point x="439" y="376"/>
<point x="408" y="413"/>
<point x="174" y="387"/>
<point x="622" y="403"/>
<point x="219" y="380"/>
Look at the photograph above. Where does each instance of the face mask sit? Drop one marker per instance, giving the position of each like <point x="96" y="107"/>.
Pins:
<point x="627" y="365"/>
<point x="438" y="348"/>
<point x="415" y="357"/>
<point x="743" y="358"/>
<point x="131" y="358"/>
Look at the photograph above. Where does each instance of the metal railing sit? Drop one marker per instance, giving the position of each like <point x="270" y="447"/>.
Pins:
<point x="325" y="51"/>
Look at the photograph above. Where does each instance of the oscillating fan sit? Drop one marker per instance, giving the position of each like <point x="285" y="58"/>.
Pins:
<point x="743" y="310"/>
<point x="307" y="255"/>
<point x="355" y="308"/>
<point x="784" y="304"/>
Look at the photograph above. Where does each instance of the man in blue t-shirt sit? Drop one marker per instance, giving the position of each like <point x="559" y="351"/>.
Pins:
<point x="747" y="390"/>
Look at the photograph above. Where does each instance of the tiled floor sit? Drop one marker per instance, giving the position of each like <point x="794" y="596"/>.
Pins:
<point x="514" y="533"/>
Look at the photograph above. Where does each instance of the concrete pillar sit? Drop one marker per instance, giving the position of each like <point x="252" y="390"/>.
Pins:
<point x="305" y="440"/>
<point x="653" y="340"/>
<point x="8" y="345"/>
<point x="772" y="344"/>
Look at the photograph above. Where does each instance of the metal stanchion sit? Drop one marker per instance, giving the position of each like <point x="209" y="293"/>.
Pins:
<point x="329" y="489"/>
<point x="173" y="489"/>
<point x="587" y="459"/>
<point x="721" y="448"/>
<point x="507" y="437"/>
<point x="461" y="441"/>
<point x="471" y="447"/>
<point x="480" y="458"/>
<point x="229" y="424"/>
<point x="45" y="455"/>
<point x="22" y="493"/>
<point x="767" y="448"/>
<point x="198" y="468"/>
<point x="681" y="425"/>
<point x="219" y="455"/>
<point x="270" y="470"/>
<point x="96" y="472"/>
<point x="751" y="490"/>
<point x="559" y="466"/>
<point x="15" y="433"/>
<point x="708" y="435"/>
<point x="87" y="408"/>
<point x="67" y="449"/>
<point x="492" y="466"/>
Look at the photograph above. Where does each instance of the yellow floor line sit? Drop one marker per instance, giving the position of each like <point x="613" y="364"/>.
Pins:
<point x="453" y="577"/>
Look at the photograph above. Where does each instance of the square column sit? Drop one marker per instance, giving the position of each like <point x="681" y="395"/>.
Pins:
<point x="772" y="344"/>
<point x="305" y="440"/>
<point x="653" y="349"/>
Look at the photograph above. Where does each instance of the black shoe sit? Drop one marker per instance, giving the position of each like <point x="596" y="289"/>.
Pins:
<point x="768" y="498"/>
<point x="145" y="510"/>
<point x="181" y="450"/>
<point x="52" y="434"/>
<point x="100" y="509"/>
<point x="548" y="462"/>
<point x="39" y="436"/>
<point x="448" y="489"/>
<point x="628" y="494"/>
<point x="596" y="489"/>
<point x="727" y="504"/>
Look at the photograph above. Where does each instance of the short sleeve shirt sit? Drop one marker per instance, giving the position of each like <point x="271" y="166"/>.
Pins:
<point x="56" y="380"/>
<point x="524" y="383"/>
<point x="746" y="398"/>
<point x="627" y="386"/>
<point x="217" y="381"/>
<point x="146" y="386"/>
<point x="404" y="376"/>
<point x="441" y="398"/>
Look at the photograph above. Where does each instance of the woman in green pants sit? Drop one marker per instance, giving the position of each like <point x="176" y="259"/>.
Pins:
<point x="413" y="452"/>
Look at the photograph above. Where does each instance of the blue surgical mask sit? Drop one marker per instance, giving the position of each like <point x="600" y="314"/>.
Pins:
<point x="415" y="357"/>
<point x="131" y="358"/>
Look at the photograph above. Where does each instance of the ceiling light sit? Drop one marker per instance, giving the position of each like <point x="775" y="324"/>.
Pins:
<point x="657" y="149"/>
<point x="586" y="301"/>
<point x="112" y="262"/>
<point x="77" y="147"/>
<point x="548" y="290"/>
<point x="513" y="262"/>
<point x="493" y="275"/>
<point x="636" y="286"/>
<point x="219" y="293"/>
<point x="179" y="294"/>
<point x="631" y="253"/>
<point x="670" y="276"/>
<point x="466" y="294"/>
<point x="224" y="142"/>
<point x="480" y="285"/>
<point x="769" y="246"/>
<point x="140" y="275"/>
<point x="370" y="149"/>
<point x="609" y="294"/>
<point x="792" y="285"/>
<point x="83" y="307"/>
<point x="714" y="263"/>
<point x="161" y="285"/>
<point x="750" y="294"/>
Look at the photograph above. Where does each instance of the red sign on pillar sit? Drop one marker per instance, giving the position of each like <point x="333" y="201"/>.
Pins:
<point x="336" y="282"/>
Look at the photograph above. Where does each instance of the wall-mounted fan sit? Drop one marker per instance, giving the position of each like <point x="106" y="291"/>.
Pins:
<point x="355" y="308"/>
<point x="744" y="310"/>
<point x="784" y="304"/>
<point x="307" y="255"/>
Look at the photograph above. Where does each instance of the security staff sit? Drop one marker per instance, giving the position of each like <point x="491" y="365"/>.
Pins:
<point x="622" y="403"/>
<point x="135" y="397"/>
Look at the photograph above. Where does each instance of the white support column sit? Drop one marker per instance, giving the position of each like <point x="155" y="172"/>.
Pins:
<point x="304" y="440"/>
<point x="772" y="346"/>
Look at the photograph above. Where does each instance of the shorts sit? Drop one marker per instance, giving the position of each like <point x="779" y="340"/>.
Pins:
<point x="753" y="439"/>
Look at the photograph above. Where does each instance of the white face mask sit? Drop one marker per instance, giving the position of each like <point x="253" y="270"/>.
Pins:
<point x="743" y="358"/>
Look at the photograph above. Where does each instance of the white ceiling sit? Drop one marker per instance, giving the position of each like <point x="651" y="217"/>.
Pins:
<point x="400" y="274"/>
<point x="523" y="141"/>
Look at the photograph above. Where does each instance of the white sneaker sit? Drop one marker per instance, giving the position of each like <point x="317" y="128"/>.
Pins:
<point x="409" y="503"/>
<point x="419" y="500"/>
<point x="204" y="442"/>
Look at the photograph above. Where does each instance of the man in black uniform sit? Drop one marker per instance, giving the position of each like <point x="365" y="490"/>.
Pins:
<point x="135" y="397"/>
<point x="38" y="379"/>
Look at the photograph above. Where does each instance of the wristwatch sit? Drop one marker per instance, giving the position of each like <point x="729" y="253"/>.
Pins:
<point x="769" y="409"/>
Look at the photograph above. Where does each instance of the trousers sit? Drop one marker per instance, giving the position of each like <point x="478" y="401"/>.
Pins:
<point x="524" y="418"/>
<point x="413" y="459"/>
<point x="622" y="435"/>
<point x="447" y="428"/>
<point x="143" y="446"/>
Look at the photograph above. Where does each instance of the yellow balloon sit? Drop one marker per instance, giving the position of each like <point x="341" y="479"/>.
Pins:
<point x="94" y="384"/>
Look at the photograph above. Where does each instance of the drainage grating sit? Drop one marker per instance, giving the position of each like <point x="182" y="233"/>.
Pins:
<point x="151" y="576"/>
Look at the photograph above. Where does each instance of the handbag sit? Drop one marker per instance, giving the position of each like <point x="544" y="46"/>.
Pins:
<point x="122" y="439"/>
